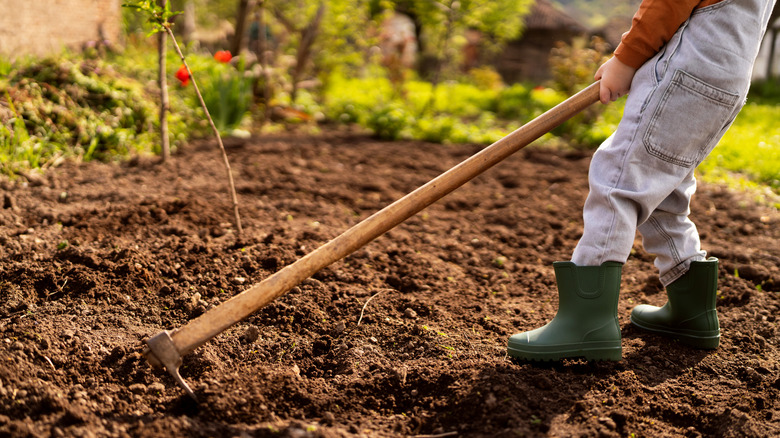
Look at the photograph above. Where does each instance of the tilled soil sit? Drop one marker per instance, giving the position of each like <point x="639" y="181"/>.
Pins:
<point x="404" y="337"/>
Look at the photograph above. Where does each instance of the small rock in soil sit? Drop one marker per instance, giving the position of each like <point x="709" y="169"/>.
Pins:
<point x="250" y="335"/>
<point x="490" y="401"/>
<point x="328" y="418"/>
<point x="608" y="422"/>
<point x="155" y="387"/>
<point x="137" y="388"/>
<point x="9" y="202"/>
<point x="313" y="282"/>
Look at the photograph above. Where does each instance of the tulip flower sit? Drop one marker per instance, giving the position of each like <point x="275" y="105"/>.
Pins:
<point x="223" y="56"/>
<point x="183" y="75"/>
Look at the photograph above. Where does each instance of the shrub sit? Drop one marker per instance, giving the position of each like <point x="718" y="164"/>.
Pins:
<point x="85" y="108"/>
<point x="512" y="103"/>
<point x="463" y="112"/>
<point x="84" y="105"/>
<point x="437" y="129"/>
<point x="388" y="122"/>
<point x="464" y="100"/>
<point x="350" y="100"/>
<point x="573" y="65"/>
<point x="523" y="103"/>
<point x="486" y="78"/>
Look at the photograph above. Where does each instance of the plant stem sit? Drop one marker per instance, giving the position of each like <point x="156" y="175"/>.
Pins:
<point x="214" y="128"/>
<point x="366" y="304"/>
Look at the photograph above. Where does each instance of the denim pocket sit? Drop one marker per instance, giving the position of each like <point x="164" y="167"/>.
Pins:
<point x="688" y="117"/>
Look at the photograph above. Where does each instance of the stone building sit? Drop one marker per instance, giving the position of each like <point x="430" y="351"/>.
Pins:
<point x="40" y="27"/>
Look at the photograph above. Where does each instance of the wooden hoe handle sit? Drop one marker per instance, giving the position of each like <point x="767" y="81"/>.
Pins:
<point x="216" y="320"/>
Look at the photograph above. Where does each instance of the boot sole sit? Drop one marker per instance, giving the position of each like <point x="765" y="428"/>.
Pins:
<point x="593" y="351"/>
<point x="704" y="341"/>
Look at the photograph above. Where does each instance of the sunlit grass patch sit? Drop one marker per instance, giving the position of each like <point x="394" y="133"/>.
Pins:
<point x="751" y="148"/>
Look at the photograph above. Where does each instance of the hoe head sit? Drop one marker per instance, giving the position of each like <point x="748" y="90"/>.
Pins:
<point x="161" y="352"/>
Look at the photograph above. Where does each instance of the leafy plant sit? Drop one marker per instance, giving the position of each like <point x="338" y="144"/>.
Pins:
<point x="5" y="67"/>
<point x="16" y="149"/>
<point x="389" y="122"/>
<point x="438" y="129"/>
<point x="159" y="16"/>
<point x="464" y="112"/>
<point x="227" y="92"/>
<point x="573" y="65"/>
<point x="485" y="78"/>
<point x="84" y="108"/>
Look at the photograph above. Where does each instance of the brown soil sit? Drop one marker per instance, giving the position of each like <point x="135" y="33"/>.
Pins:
<point x="404" y="337"/>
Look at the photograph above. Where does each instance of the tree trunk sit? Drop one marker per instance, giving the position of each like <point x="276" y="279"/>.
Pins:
<point x="441" y="57"/>
<point x="308" y="36"/>
<point x="188" y="22"/>
<point x="165" y="143"/>
<point x="262" y="54"/>
<point x="771" y="58"/>
<point x="244" y="7"/>
<point x="772" y="31"/>
<point x="775" y="15"/>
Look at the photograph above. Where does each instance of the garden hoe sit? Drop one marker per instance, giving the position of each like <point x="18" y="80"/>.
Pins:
<point x="167" y="347"/>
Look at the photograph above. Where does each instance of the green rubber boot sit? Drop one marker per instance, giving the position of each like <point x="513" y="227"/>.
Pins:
<point x="586" y="324"/>
<point x="689" y="314"/>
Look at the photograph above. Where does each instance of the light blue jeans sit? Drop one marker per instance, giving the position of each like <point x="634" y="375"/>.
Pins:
<point x="681" y="103"/>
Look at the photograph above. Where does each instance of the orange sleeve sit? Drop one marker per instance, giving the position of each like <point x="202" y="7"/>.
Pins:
<point x="653" y="26"/>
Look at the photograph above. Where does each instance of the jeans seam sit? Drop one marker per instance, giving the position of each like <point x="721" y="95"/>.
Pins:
<point x="612" y="207"/>
<point x="673" y="274"/>
<point x="669" y="241"/>
<point x="680" y="81"/>
<point x="711" y="8"/>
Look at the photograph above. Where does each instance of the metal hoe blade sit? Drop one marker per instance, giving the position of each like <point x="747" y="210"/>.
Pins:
<point x="164" y="353"/>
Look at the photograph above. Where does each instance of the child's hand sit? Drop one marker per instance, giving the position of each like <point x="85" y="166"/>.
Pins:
<point x="615" y="78"/>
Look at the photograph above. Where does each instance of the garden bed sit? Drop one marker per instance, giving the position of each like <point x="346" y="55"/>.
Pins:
<point x="406" y="336"/>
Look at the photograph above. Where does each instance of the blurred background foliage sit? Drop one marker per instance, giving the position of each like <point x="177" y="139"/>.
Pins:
<point x="304" y="64"/>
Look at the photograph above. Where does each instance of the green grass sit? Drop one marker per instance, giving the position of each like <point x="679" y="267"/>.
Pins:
<point x="750" y="149"/>
<point x="70" y="107"/>
<point x="73" y="106"/>
<point x="456" y="113"/>
<point x="748" y="156"/>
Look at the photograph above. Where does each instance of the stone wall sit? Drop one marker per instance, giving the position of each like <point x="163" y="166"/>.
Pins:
<point x="40" y="27"/>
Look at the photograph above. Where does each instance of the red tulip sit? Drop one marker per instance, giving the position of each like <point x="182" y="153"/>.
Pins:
<point x="183" y="75"/>
<point x="223" y="56"/>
